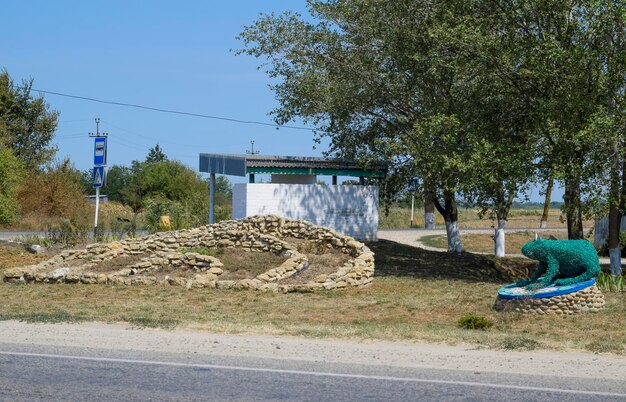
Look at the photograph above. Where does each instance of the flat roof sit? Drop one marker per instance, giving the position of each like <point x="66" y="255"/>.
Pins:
<point x="240" y="165"/>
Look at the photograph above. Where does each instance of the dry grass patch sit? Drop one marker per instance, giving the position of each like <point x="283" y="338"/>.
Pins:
<point x="483" y="243"/>
<point x="390" y="309"/>
<point x="400" y="217"/>
<point x="15" y="255"/>
<point x="242" y="264"/>
<point x="416" y="295"/>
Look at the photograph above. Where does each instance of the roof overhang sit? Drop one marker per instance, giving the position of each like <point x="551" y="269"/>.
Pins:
<point x="240" y="165"/>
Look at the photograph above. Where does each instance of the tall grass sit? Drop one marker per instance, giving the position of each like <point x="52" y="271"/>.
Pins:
<point x="609" y="283"/>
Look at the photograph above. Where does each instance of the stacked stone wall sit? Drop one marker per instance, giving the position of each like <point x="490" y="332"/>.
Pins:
<point x="254" y="234"/>
<point x="585" y="300"/>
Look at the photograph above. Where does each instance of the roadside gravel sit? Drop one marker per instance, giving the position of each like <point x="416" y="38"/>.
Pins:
<point x="101" y="338"/>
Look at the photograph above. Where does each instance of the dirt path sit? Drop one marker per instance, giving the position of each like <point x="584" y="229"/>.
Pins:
<point x="106" y="337"/>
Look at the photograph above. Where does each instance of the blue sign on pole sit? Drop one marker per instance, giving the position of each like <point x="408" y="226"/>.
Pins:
<point x="98" y="176"/>
<point x="100" y="151"/>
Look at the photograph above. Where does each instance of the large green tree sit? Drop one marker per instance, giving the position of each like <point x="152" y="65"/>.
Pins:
<point x="369" y="76"/>
<point x="476" y="97"/>
<point x="27" y="123"/>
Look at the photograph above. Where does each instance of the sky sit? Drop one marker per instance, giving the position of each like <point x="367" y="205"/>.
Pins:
<point x="168" y="55"/>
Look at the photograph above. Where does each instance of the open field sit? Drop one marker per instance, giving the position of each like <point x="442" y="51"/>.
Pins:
<point x="416" y="295"/>
<point x="400" y="218"/>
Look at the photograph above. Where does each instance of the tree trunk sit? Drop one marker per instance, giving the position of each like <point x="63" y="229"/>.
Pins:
<point x="546" y="205"/>
<point x="454" y="237"/>
<point x="499" y="238"/>
<point x="615" y="214"/>
<point x="429" y="213"/>
<point x="451" y="216"/>
<point x="573" y="209"/>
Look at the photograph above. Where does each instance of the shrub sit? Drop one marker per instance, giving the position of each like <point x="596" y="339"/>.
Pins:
<point x="56" y="192"/>
<point x="68" y="233"/>
<point x="472" y="321"/>
<point x="11" y="174"/>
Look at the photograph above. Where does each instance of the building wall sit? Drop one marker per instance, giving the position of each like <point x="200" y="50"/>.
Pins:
<point x="294" y="179"/>
<point x="352" y="210"/>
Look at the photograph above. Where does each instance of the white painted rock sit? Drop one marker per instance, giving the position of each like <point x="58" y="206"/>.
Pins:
<point x="58" y="273"/>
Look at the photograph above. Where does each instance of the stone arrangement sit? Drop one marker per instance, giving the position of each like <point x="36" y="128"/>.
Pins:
<point x="253" y="234"/>
<point x="586" y="300"/>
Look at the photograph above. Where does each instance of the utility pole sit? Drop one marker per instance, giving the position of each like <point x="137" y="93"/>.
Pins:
<point x="99" y="167"/>
<point x="252" y="152"/>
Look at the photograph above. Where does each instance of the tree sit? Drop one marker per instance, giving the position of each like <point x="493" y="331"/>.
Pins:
<point x="223" y="191"/>
<point x="155" y="155"/>
<point x="27" y="124"/>
<point x="370" y="77"/>
<point x="11" y="174"/>
<point x="608" y="22"/>
<point x="476" y="97"/>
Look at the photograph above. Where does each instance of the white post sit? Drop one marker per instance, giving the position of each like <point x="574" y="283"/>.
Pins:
<point x="412" y="207"/>
<point x="95" y="220"/>
<point x="212" y="199"/>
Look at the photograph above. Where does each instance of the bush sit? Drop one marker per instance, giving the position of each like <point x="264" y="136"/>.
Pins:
<point x="11" y="174"/>
<point x="56" y="192"/>
<point x="472" y="321"/>
<point x="68" y="233"/>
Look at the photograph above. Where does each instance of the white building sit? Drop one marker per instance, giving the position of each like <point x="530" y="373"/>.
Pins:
<point x="295" y="194"/>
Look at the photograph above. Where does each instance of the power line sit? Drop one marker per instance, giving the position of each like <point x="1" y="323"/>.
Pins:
<point x="155" y="109"/>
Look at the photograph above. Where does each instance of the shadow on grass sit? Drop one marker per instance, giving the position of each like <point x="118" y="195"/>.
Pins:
<point x="395" y="259"/>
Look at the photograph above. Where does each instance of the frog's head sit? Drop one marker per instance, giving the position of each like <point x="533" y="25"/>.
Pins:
<point x="533" y="249"/>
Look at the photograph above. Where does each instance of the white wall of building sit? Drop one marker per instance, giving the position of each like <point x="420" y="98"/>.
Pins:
<point x="352" y="210"/>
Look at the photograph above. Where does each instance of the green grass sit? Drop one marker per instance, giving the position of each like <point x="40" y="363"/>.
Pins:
<point x="473" y="321"/>
<point x="609" y="283"/>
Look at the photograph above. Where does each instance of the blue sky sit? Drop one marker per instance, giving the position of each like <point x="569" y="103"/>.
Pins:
<point x="161" y="54"/>
<point x="170" y="55"/>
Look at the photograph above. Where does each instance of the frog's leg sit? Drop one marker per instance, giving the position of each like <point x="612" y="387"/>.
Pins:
<point x="551" y="272"/>
<point x="591" y="272"/>
<point x="539" y="271"/>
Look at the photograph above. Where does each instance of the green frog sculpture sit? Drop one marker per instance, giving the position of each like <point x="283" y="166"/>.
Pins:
<point x="561" y="262"/>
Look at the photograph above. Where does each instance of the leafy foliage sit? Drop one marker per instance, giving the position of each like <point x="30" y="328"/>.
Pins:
<point x="159" y="186"/>
<point x="479" y="99"/>
<point x="27" y="124"/>
<point x="11" y="174"/>
<point x="156" y="155"/>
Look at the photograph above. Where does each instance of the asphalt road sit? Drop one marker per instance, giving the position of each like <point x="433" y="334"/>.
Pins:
<point x="62" y="373"/>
